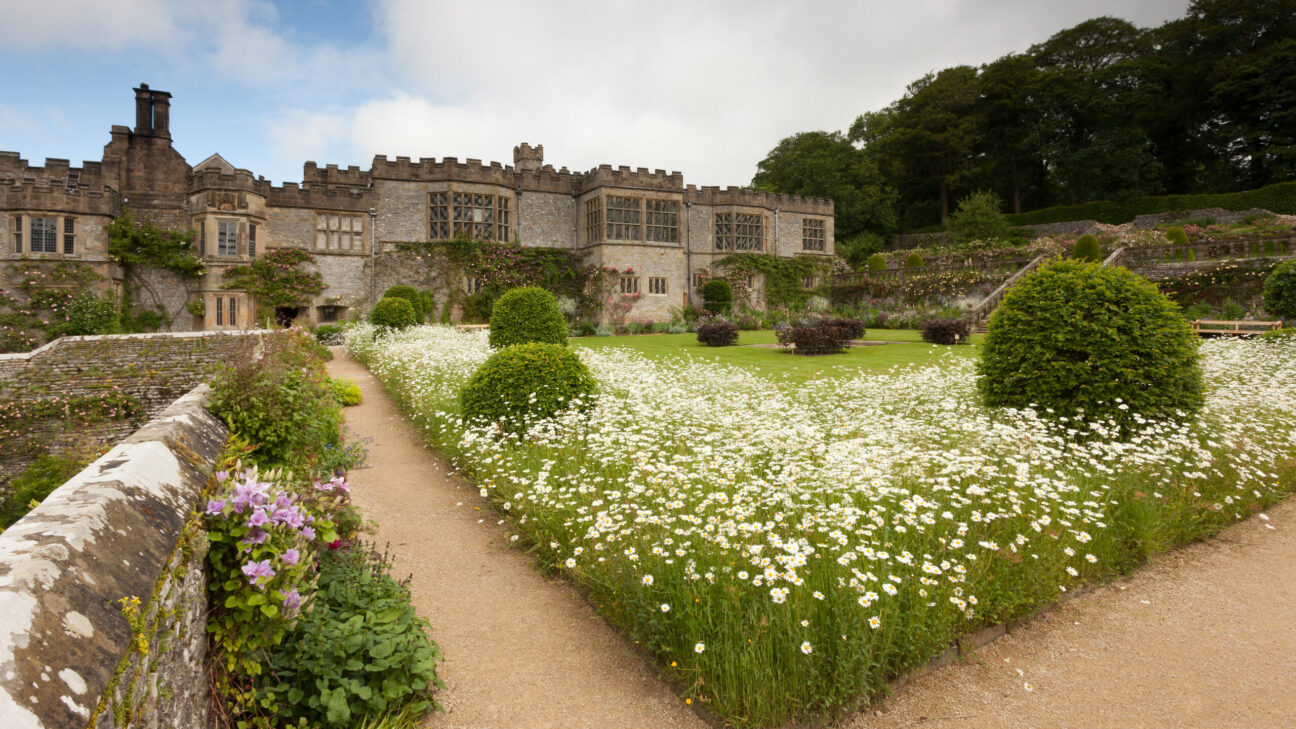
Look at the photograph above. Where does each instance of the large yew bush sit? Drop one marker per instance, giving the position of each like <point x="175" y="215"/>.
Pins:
<point x="527" y="314"/>
<point x="1279" y="293"/>
<point x="1076" y="338"/>
<point x="525" y="382"/>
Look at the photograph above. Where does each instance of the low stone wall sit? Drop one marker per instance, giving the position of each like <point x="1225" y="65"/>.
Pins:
<point x="147" y="370"/>
<point x="76" y="649"/>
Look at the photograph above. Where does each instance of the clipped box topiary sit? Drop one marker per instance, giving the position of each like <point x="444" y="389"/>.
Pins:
<point x="412" y="295"/>
<point x="914" y="260"/>
<point x="1279" y="294"/>
<point x="717" y="295"/>
<point x="877" y="262"/>
<point x="526" y="382"/>
<point x="1177" y="236"/>
<point x="393" y="312"/>
<point x="1080" y="337"/>
<point x="1087" y="248"/>
<point x="527" y="314"/>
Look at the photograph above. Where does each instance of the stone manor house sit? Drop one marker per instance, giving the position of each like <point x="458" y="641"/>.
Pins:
<point x="665" y="232"/>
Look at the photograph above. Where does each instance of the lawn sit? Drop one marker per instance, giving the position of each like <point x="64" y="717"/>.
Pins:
<point x="784" y="544"/>
<point x="905" y="348"/>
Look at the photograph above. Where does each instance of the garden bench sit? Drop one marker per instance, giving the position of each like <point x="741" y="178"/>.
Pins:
<point x="1211" y="326"/>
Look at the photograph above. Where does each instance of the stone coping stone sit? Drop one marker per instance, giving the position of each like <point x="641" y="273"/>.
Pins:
<point x="107" y="534"/>
<point x="61" y="341"/>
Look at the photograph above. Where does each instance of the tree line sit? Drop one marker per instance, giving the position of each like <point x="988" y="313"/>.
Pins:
<point x="1104" y="110"/>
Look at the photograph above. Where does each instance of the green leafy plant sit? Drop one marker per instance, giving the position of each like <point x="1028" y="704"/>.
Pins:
<point x="979" y="217"/>
<point x="412" y="295"/>
<point x="527" y="314"/>
<point x="1280" y="335"/>
<point x="717" y="295"/>
<point x="1279" y="294"/>
<point x="361" y="651"/>
<point x="1177" y="236"/>
<point x="877" y="262"/>
<point x="1074" y="338"/>
<point x="394" y="313"/>
<point x="717" y="332"/>
<point x="1087" y="249"/>
<point x="197" y="307"/>
<point x="524" y="382"/>
<point x="914" y="260"/>
<point x="135" y="243"/>
<point x="276" y="278"/>
<point x="330" y="335"/>
<point x="345" y="391"/>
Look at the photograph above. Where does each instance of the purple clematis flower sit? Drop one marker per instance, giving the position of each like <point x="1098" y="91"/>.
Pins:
<point x="291" y="556"/>
<point x="215" y="506"/>
<point x="257" y="570"/>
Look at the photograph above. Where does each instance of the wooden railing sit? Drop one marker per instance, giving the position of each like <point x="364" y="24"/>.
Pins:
<point x="1235" y="327"/>
<point x="979" y="313"/>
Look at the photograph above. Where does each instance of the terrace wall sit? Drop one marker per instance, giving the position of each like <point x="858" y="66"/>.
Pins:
<point x="122" y="528"/>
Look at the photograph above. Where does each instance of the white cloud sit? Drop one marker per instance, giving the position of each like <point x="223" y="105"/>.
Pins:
<point x="86" y="24"/>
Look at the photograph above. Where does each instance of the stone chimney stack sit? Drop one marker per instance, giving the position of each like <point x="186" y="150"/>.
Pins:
<point x="527" y="158"/>
<point x="143" y="110"/>
<point x="152" y="112"/>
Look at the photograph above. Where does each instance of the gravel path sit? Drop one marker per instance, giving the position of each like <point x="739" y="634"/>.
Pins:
<point x="521" y="651"/>
<point x="1205" y="637"/>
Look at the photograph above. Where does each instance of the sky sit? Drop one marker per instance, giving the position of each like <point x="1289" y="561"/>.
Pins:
<point x="704" y="87"/>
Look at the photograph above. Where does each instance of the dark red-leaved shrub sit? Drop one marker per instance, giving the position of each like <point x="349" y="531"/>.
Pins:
<point x="946" y="331"/>
<point x="820" y="336"/>
<point x="717" y="332"/>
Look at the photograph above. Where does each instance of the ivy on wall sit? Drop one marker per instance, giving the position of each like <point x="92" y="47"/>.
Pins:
<point x="277" y="278"/>
<point x="503" y="266"/>
<point x="784" y="277"/>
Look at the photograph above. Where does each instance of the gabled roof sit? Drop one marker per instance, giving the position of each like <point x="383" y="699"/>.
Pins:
<point x="215" y="162"/>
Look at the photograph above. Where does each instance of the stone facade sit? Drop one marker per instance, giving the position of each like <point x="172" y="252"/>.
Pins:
<point x="351" y="219"/>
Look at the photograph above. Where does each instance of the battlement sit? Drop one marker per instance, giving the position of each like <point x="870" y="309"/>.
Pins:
<point x="449" y="168"/>
<point x="333" y="175"/>
<point x="292" y="195"/>
<point x="640" y="178"/>
<point x="714" y="195"/>
<point x="56" y="171"/>
<point x="211" y="178"/>
<point x="56" y="196"/>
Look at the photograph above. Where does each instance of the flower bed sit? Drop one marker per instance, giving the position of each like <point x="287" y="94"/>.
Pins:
<point x="785" y="551"/>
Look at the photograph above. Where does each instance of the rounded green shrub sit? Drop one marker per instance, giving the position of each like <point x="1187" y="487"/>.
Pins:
<point x="526" y="382"/>
<point x="1087" y="248"/>
<point x="914" y="260"/>
<point x="393" y="312"/>
<point x="979" y="217"/>
<point x="527" y="314"/>
<point x="717" y="295"/>
<point x="412" y="295"/>
<point x="1279" y="294"/>
<point x="1177" y="236"/>
<point x="877" y="262"/>
<point x="1076" y="338"/>
<point x="345" y="391"/>
<point x="1280" y="335"/>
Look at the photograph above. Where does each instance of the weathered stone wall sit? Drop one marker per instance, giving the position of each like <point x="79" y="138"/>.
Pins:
<point x="548" y="220"/>
<point x="123" y="528"/>
<point x="155" y="369"/>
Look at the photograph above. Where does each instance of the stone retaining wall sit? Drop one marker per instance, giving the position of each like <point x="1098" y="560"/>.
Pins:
<point x="154" y="369"/>
<point x="74" y="653"/>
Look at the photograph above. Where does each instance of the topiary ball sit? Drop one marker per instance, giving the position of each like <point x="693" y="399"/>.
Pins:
<point x="877" y="262"/>
<point x="526" y="382"/>
<point x="1087" y="248"/>
<point x="717" y="295"/>
<point x="410" y="294"/>
<point x="914" y="260"/>
<point x="1279" y="294"/>
<point x="1177" y="236"/>
<point x="527" y="314"/>
<point x="393" y="312"/>
<point x="1080" y="337"/>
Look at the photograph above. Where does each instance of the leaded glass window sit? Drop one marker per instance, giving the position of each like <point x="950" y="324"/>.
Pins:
<point x="478" y="215"/>
<point x="661" y="221"/>
<point x="44" y="235"/>
<point x="227" y="238"/>
<point x="739" y="232"/>
<point x="812" y="234"/>
<point x="339" y="232"/>
<point x="623" y="216"/>
<point x="593" y="220"/>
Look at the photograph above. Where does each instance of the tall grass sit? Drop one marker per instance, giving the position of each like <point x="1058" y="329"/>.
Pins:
<point x="785" y="550"/>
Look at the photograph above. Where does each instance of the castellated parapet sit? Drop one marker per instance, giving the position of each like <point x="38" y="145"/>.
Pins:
<point x="332" y="175"/>
<point x="13" y="168"/>
<point x="292" y="195"/>
<point x="639" y="179"/>
<point x="749" y="197"/>
<point x="58" y="198"/>
<point x="214" y="179"/>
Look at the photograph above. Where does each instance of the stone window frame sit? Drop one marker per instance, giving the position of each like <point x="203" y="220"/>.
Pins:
<point x="58" y="238"/>
<point x="252" y="239"/>
<point x="225" y="309"/>
<point x="473" y="285"/>
<point x="327" y="313"/>
<point x="658" y="286"/>
<point x="594" y="219"/>
<point x="732" y="228"/>
<point x="445" y="211"/>
<point x="699" y="278"/>
<point x="814" y="235"/>
<point x="329" y="224"/>
<point x="629" y="285"/>
<point x="222" y="237"/>
<point x="614" y="217"/>
<point x="809" y="282"/>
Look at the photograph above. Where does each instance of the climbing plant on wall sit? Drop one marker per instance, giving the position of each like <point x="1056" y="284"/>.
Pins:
<point x="50" y="301"/>
<point x="276" y="278"/>
<point x="785" y="278"/>
<point x="504" y="266"/>
<point x="139" y="244"/>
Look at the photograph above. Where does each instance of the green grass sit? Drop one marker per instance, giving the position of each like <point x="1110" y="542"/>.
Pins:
<point x="781" y="365"/>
